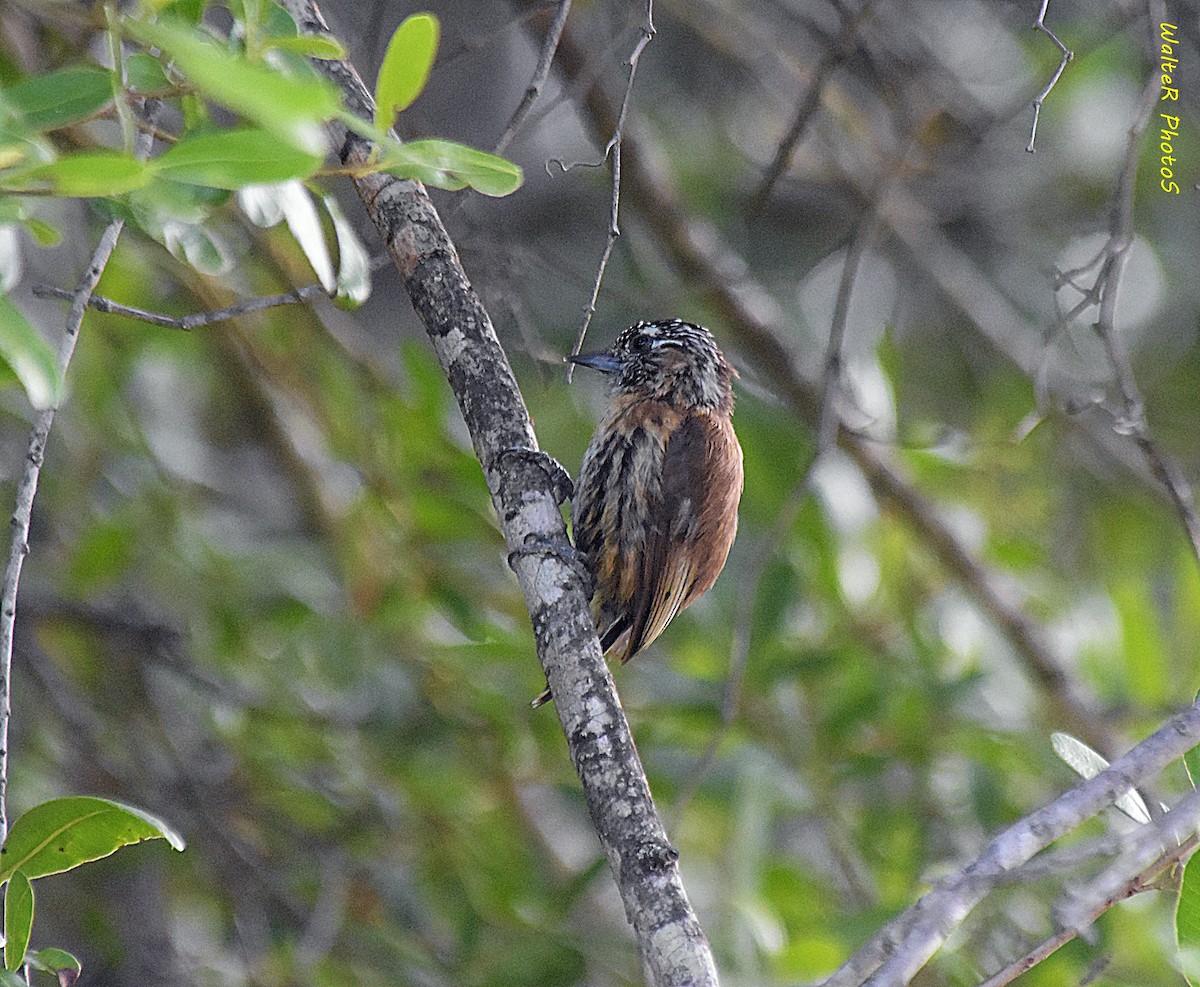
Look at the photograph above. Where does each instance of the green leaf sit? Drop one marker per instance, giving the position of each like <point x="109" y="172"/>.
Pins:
<point x="197" y="246"/>
<point x="293" y="106"/>
<point x="231" y="159"/>
<point x="45" y="234"/>
<point x="63" y="97"/>
<point x="18" y="920"/>
<point x="445" y="164"/>
<point x="406" y="66"/>
<point x="56" y="961"/>
<point x="144" y="74"/>
<point x="309" y="45"/>
<point x="63" y="833"/>
<point x="354" y="263"/>
<point x="29" y="356"/>
<point x="1187" y="922"/>
<point x="88" y="174"/>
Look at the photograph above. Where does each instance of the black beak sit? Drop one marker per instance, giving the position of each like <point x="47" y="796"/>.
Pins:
<point x="606" y="363"/>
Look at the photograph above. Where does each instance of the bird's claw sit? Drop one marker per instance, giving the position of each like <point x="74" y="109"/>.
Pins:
<point x="560" y="479"/>
<point x="564" y="551"/>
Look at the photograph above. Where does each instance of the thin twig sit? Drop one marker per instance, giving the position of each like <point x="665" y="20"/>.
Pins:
<point x="1144" y="881"/>
<point x="905" y="944"/>
<point x="837" y="53"/>
<point x="186" y="323"/>
<point x="1131" y="419"/>
<point x="1067" y="55"/>
<point x="829" y="418"/>
<point x="27" y="486"/>
<point x="614" y="148"/>
<point x="540" y="73"/>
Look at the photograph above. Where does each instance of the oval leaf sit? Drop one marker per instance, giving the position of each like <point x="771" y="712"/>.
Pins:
<point x="18" y="920"/>
<point x="29" y="356"/>
<point x="292" y="106"/>
<point x="1187" y="922"/>
<point x="309" y="45"/>
<point x="63" y="97"/>
<point x="232" y="159"/>
<point x="64" y="833"/>
<point x="56" y="961"/>
<point x="145" y="74"/>
<point x="86" y="175"/>
<point x="406" y="66"/>
<point x="445" y="164"/>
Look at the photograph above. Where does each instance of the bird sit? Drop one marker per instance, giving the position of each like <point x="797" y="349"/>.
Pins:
<point x="655" y="508"/>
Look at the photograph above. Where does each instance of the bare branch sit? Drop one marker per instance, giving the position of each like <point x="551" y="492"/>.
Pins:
<point x="1067" y="55"/>
<point x="1144" y="881"/>
<point x="614" y="148"/>
<point x="673" y="946"/>
<point x="540" y="73"/>
<point x="196" y="320"/>
<point x="837" y="53"/>
<point x="905" y="944"/>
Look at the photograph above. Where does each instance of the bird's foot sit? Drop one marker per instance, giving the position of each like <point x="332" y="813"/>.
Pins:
<point x="563" y="550"/>
<point x="560" y="480"/>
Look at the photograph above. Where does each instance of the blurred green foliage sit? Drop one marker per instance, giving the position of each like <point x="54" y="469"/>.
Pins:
<point x="267" y="598"/>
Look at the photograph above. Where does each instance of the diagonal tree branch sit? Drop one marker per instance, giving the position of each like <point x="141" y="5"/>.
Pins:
<point x="907" y="942"/>
<point x="835" y="55"/>
<point x="541" y="73"/>
<point x="674" y="948"/>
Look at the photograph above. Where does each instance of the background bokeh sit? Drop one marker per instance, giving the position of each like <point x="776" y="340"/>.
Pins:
<point x="267" y="599"/>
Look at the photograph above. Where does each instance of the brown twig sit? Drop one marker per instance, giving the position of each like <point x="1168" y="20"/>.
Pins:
<point x="196" y="320"/>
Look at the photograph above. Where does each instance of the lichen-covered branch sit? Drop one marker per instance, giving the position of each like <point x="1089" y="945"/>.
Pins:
<point x="674" y="948"/>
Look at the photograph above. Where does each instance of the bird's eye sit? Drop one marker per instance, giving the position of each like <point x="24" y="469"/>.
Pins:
<point x="642" y="344"/>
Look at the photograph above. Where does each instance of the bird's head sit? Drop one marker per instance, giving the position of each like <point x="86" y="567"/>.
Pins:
<point x="673" y="361"/>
